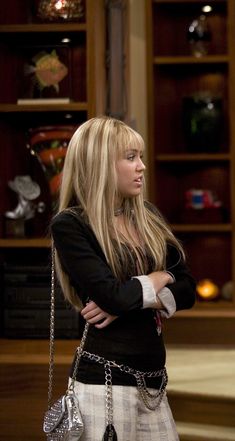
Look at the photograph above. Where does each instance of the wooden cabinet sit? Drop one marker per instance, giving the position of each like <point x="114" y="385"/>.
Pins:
<point x="80" y="45"/>
<point x="177" y="167"/>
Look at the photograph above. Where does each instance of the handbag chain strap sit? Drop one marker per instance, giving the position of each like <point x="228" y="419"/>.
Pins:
<point x="52" y="336"/>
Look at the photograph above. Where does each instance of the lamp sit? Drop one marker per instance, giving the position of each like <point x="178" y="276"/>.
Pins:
<point x="56" y="10"/>
<point x="207" y="290"/>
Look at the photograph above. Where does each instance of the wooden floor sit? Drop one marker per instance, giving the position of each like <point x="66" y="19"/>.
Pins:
<point x="204" y="370"/>
<point x="201" y="392"/>
<point x="201" y="389"/>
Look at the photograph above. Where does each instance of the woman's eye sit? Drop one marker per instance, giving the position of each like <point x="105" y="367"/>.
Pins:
<point x="131" y="158"/>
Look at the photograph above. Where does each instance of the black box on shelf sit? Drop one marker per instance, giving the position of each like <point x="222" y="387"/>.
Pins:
<point x="26" y="305"/>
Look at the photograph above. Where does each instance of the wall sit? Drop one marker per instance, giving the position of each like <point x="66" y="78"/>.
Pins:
<point x="138" y="93"/>
<point x="137" y="74"/>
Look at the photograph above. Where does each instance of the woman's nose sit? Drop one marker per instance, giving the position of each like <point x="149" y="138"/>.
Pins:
<point x="140" y="165"/>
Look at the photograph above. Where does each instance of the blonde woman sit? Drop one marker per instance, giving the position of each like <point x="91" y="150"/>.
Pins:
<point x="119" y="263"/>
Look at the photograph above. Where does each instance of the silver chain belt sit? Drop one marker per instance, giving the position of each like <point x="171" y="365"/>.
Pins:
<point x="150" y="400"/>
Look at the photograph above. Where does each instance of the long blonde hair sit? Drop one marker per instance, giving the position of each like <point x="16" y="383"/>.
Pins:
<point x="90" y="182"/>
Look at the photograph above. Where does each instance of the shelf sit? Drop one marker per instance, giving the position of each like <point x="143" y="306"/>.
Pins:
<point x="31" y="351"/>
<point x="71" y="107"/>
<point x="25" y="243"/>
<point x="209" y="59"/>
<point x="215" y="313"/>
<point x="190" y="1"/>
<point x="43" y="27"/>
<point x="216" y="228"/>
<point x="216" y="157"/>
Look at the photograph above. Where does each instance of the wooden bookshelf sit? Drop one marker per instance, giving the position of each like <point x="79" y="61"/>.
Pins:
<point x="173" y="73"/>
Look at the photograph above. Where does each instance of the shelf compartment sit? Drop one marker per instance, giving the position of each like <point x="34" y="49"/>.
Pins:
<point x="177" y="16"/>
<point x="206" y="252"/>
<point x="18" y="58"/>
<point x="31" y="117"/>
<point x="171" y="85"/>
<point x="38" y="253"/>
<point x="17" y="12"/>
<point x="182" y="177"/>
<point x="16" y="160"/>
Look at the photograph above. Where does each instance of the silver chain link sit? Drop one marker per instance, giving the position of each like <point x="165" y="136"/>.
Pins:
<point x="109" y="393"/>
<point x="79" y="355"/>
<point x="52" y="327"/>
<point x="52" y="336"/>
<point x="151" y="400"/>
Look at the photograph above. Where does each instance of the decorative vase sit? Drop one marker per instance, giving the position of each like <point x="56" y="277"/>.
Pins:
<point x="203" y="122"/>
<point x="199" y="36"/>
<point x="60" y="10"/>
<point x="49" y="145"/>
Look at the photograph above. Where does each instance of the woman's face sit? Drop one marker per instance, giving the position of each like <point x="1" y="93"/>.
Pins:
<point x="130" y="168"/>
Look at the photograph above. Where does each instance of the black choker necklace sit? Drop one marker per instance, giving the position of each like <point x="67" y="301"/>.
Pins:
<point x="118" y="211"/>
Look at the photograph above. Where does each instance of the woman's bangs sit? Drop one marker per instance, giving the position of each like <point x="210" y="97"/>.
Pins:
<point x="129" y="139"/>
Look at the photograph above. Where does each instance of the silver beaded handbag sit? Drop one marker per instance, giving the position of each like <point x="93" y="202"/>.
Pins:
<point x="62" y="421"/>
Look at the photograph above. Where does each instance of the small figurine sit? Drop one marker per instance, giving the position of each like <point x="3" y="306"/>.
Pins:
<point x="199" y="36"/>
<point x="27" y="190"/>
<point x="47" y="70"/>
<point x="227" y="291"/>
<point x="199" y="199"/>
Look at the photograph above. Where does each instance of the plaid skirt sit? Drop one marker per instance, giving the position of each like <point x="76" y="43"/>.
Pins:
<point x="131" y="419"/>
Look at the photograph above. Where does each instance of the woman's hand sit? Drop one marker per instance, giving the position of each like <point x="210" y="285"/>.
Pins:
<point x="93" y="314"/>
<point x="160" y="279"/>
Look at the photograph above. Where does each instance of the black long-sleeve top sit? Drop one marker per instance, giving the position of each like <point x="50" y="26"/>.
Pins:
<point x="132" y="338"/>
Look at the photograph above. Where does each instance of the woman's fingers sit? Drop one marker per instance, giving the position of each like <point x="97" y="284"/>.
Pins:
<point x="95" y="319"/>
<point x="93" y="314"/>
<point x="89" y="307"/>
<point x="90" y="314"/>
<point x="106" y="322"/>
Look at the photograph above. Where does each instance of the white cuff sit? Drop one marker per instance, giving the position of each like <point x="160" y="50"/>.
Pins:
<point x="168" y="301"/>
<point x="149" y="294"/>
